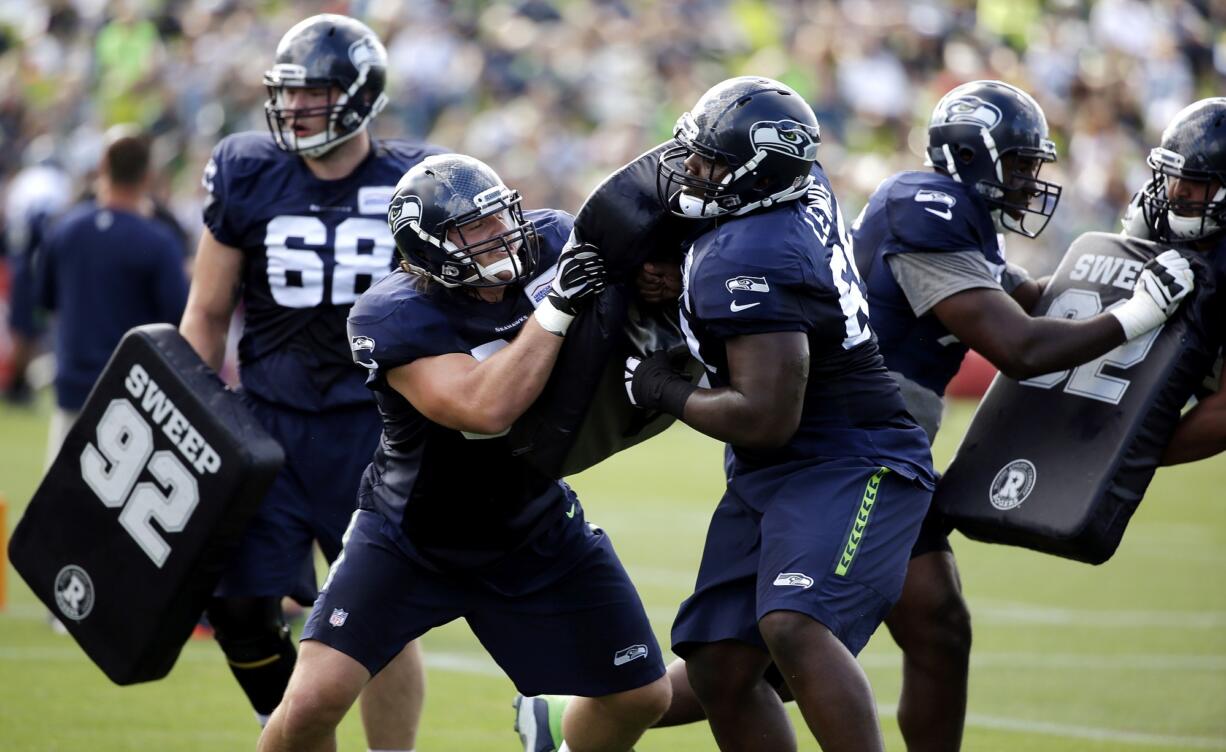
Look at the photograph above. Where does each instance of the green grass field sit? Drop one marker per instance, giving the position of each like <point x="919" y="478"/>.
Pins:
<point x="1127" y="656"/>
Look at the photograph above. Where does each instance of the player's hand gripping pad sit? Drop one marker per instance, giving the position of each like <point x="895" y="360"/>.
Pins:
<point x="583" y="416"/>
<point x="134" y="522"/>
<point x="1059" y="462"/>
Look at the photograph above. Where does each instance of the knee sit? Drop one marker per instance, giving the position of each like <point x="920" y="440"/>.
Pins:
<point x="718" y="679"/>
<point x="249" y="629"/>
<point x="788" y="632"/>
<point x="940" y="625"/>
<point x="307" y="711"/>
<point x="639" y="707"/>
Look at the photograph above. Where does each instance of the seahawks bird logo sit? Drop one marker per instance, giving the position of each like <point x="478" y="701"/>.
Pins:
<point x="972" y="109"/>
<point x="786" y="137"/>
<point x="404" y="211"/>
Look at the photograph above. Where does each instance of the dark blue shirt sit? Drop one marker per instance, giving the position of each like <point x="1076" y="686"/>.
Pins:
<point x="105" y="271"/>
<point x="919" y="212"/>
<point x="461" y="500"/>
<point x="789" y="269"/>
<point x="310" y="247"/>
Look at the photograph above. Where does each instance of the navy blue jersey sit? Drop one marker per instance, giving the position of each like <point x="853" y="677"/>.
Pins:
<point x="919" y="212"/>
<point x="310" y="247"/>
<point x="105" y="271"/>
<point x="789" y="269"/>
<point x="462" y="500"/>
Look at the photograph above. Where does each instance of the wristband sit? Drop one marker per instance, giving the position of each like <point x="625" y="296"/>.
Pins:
<point x="551" y="319"/>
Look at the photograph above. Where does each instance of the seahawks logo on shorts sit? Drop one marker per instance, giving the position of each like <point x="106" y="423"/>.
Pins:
<point x="794" y="579"/>
<point x="786" y="137"/>
<point x="625" y="655"/>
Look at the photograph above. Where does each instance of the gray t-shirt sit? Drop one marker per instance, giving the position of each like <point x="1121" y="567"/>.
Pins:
<point x="928" y="278"/>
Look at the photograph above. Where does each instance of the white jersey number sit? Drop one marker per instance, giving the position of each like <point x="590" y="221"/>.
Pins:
<point x="1088" y="380"/>
<point x="124" y="449"/>
<point x="362" y="246"/>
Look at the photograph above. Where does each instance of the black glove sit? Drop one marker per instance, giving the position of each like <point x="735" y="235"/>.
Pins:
<point x="580" y="276"/>
<point x="654" y="385"/>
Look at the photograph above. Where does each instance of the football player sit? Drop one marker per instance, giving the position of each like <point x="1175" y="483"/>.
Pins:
<point x="450" y="523"/>
<point x="1185" y="203"/>
<point x="932" y="248"/>
<point x="295" y="230"/>
<point x="828" y="477"/>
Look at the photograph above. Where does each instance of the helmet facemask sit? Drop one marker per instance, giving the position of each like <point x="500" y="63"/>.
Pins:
<point x="740" y="189"/>
<point x="463" y="244"/>
<point x="1196" y="216"/>
<point x="346" y="113"/>
<point x="1019" y="199"/>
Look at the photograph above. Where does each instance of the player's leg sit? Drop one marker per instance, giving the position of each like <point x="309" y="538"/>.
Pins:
<point x="716" y="632"/>
<point x="269" y="563"/>
<point x="835" y="541"/>
<point x="341" y="446"/>
<point x="743" y="710"/>
<point x="829" y="686"/>
<point x="584" y="634"/>
<point x="255" y="640"/>
<point x="374" y="602"/>
<point x="932" y="625"/>
<point x="392" y="702"/>
<point x="324" y="685"/>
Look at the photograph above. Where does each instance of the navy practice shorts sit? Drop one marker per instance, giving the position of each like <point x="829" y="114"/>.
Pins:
<point x="584" y="633"/>
<point x="827" y="539"/>
<point x="311" y="499"/>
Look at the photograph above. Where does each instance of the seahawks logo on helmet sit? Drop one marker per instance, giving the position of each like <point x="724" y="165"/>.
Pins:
<point x="363" y="52"/>
<point x="786" y="137"/>
<point x="971" y="109"/>
<point x="404" y="211"/>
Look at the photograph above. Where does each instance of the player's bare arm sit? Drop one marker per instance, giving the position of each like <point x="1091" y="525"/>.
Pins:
<point x="1201" y="433"/>
<point x="993" y="324"/>
<point x="216" y="284"/>
<point x="458" y="391"/>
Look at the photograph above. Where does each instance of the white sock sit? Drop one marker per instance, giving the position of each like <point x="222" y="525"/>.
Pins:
<point x="564" y="748"/>
<point x="263" y="719"/>
<point x="391" y="750"/>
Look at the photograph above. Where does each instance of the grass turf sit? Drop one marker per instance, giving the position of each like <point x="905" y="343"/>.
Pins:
<point x="1127" y="656"/>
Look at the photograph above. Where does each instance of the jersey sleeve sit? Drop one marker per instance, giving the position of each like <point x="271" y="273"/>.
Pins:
<point x="928" y="220"/>
<point x="928" y="278"/>
<point x="385" y="333"/>
<point x="734" y="297"/>
<point x="217" y="214"/>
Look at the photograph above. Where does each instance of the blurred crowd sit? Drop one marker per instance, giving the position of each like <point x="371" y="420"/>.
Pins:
<point x="557" y="93"/>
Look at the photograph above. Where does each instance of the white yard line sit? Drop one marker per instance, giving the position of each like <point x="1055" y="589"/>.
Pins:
<point x="476" y="663"/>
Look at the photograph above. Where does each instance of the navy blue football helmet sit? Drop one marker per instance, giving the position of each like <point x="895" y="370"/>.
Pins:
<point x="332" y="52"/>
<point x="1193" y="152"/>
<point x="993" y="137"/>
<point x="433" y="204"/>
<point x="764" y="134"/>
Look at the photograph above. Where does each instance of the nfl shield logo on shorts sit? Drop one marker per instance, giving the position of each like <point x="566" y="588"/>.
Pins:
<point x="338" y="617"/>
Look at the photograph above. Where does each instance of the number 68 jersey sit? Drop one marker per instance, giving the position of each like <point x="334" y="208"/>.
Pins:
<point x="310" y="247"/>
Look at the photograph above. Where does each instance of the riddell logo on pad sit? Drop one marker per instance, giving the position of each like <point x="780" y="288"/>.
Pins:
<point x="1012" y="484"/>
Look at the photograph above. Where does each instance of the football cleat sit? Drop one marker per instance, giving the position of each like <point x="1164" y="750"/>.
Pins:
<point x="538" y="721"/>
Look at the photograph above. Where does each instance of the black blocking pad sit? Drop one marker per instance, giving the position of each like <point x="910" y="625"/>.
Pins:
<point x="127" y="535"/>
<point x="1059" y="463"/>
<point x="584" y="416"/>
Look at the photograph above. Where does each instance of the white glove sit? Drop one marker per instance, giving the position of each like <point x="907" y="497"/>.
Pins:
<point x="1164" y="282"/>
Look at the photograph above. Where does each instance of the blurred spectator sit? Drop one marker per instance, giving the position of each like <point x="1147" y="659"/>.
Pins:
<point x="37" y="193"/>
<point x="556" y="93"/>
<point x="106" y="266"/>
